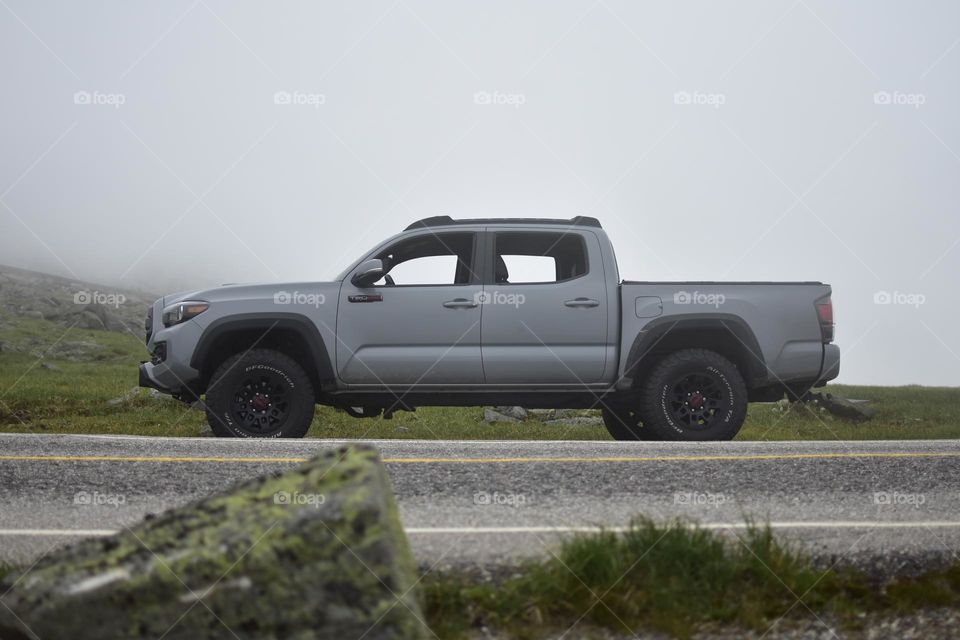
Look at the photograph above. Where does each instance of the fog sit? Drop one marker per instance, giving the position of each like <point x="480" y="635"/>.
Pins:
<point x="178" y="145"/>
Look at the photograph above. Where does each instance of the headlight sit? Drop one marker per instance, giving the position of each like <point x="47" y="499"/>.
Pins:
<point x="183" y="311"/>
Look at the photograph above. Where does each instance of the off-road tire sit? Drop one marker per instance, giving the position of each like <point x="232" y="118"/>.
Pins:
<point x="623" y="423"/>
<point x="693" y="375"/>
<point x="260" y="394"/>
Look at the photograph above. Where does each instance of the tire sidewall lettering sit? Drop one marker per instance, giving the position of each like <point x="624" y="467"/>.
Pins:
<point x="266" y="367"/>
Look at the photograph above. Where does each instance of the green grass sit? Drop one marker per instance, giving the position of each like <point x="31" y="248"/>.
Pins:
<point x="73" y="398"/>
<point x="671" y="578"/>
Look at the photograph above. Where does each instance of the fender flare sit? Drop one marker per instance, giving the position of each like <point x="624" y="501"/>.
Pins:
<point x="267" y="322"/>
<point x="657" y="329"/>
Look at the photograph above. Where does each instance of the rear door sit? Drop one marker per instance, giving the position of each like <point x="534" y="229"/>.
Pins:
<point x="545" y="309"/>
<point x="419" y="326"/>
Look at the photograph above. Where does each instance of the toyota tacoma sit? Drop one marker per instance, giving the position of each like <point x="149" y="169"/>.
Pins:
<point x="525" y="312"/>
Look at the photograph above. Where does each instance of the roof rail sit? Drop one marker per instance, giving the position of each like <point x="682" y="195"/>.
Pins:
<point x="447" y="221"/>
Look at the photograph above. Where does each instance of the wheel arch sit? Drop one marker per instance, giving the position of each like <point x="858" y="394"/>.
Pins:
<point x="293" y="334"/>
<point x="727" y="334"/>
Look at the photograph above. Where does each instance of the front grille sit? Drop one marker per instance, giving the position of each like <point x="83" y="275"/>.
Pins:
<point x="148" y="325"/>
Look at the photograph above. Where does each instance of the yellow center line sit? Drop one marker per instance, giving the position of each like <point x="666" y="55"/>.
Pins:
<point x="504" y="460"/>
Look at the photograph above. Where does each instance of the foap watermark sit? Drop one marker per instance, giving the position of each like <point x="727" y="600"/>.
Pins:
<point x="700" y="98"/>
<point x="299" y="99"/>
<point x="500" y="298"/>
<point x="899" y="298"/>
<point x="299" y="298"/>
<point x="99" y="297"/>
<point x="899" y="499"/>
<point x="297" y="499"/>
<point x="95" y="498"/>
<point x="899" y="98"/>
<point x="499" y="499"/>
<point x="700" y="499"/>
<point x="99" y="98"/>
<point x="499" y="98"/>
<point x="699" y="298"/>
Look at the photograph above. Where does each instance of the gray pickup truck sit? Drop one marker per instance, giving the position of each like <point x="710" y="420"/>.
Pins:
<point x="526" y="312"/>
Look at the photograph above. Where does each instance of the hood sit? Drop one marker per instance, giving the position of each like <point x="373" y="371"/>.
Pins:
<point x="236" y="292"/>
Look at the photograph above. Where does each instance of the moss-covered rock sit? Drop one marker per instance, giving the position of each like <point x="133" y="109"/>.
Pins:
<point x="314" y="552"/>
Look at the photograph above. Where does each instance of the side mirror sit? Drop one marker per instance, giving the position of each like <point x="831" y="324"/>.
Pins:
<point x="367" y="273"/>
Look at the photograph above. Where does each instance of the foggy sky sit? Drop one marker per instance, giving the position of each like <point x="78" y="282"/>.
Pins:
<point x="180" y="145"/>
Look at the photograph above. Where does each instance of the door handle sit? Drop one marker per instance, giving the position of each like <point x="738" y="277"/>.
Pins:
<point x="582" y="302"/>
<point x="460" y="303"/>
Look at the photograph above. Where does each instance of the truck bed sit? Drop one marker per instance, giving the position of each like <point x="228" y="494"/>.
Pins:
<point x="778" y="320"/>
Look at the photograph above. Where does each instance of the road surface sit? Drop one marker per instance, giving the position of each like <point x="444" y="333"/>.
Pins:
<point x="493" y="502"/>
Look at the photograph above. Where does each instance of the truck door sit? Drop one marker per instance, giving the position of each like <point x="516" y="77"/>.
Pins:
<point x="545" y="313"/>
<point x="420" y="324"/>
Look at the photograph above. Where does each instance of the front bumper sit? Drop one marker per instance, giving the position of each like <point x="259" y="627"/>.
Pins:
<point x="145" y="379"/>
<point x="169" y="368"/>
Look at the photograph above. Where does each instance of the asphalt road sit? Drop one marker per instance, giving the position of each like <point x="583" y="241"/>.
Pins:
<point x="492" y="502"/>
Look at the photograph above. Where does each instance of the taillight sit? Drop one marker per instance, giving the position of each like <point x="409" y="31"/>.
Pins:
<point x="825" y="314"/>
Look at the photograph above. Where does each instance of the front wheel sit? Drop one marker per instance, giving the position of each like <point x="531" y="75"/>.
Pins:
<point x="624" y="424"/>
<point x="260" y="394"/>
<point x="694" y="394"/>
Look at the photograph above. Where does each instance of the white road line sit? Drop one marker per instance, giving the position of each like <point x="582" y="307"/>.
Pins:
<point x="86" y="533"/>
<point x="843" y="524"/>
<point x="827" y="524"/>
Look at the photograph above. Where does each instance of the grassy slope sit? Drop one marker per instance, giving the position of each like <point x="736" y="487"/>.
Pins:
<point x="75" y="399"/>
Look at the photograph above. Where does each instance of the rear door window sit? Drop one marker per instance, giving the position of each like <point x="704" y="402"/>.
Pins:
<point x="531" y="257"/>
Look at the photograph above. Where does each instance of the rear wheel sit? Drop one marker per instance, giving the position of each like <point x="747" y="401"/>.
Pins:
<point x="694" y="394"/>
<point x="260" y="394"/>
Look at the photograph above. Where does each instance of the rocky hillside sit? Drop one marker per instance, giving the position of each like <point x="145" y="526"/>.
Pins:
<point x="71" y="303"/>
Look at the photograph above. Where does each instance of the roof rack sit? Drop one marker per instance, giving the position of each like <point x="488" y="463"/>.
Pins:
<point x="447" y="221"/>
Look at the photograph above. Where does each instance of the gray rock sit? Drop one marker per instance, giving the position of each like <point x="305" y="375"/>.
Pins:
<point x="842" y="408"/>
<point x="543" y="414"/>
<point x="314" y="552"/>
<point x="491" y="415"/>
<point x="76" y="350"/>
<point x="553" y="414"/>
<point x="49" y="366"/>
<point x="32" y="295"/>
<point x="159" y="396"/>
<point x="89" y="320"/>
<point x="514" y="412"/>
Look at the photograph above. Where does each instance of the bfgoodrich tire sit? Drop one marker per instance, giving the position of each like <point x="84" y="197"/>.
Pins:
<point x="694" y="394"/>
<point x="260" y="394"/>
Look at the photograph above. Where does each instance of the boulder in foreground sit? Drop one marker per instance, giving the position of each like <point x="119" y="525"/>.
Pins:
<point x="313" y="552"/>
